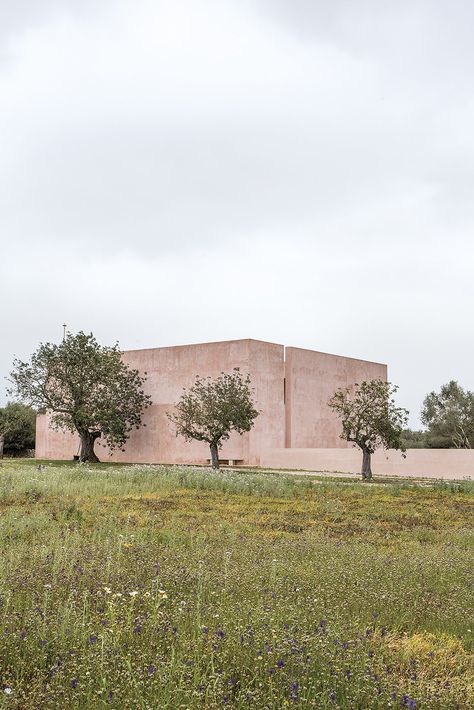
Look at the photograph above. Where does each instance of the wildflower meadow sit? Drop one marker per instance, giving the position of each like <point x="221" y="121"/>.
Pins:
<point x="166" y="587"/>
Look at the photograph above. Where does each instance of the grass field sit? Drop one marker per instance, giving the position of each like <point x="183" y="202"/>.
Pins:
<point x="149" y="587"/>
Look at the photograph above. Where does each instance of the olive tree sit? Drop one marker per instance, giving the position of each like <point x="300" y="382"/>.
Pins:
<point x="449" y="417"/>
<point x="211" y="409"/>
<point x="86" y="388"/>
<point x="370" y="418"/>
<point x="17" y="427"/>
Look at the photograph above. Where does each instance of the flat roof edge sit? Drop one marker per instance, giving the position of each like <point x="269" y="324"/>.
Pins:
<point x="207" y="342"/>
<point x="346" y="357"/>
<point x="253" y="340"/>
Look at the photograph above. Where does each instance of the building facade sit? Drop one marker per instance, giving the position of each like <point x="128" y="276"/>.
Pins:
<point x="291" y="388"/>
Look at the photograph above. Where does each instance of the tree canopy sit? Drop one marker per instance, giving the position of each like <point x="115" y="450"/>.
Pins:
<point x="86" y="388"/>
<point x="370" y="418"/>
<point x="17" y="428"/>
<point x="212" y="408"/>
<point x="449" y="417"/>
<point x="414" y="439"/>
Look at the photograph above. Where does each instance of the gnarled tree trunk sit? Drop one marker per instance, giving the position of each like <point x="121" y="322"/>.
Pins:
<point x="87" y="452"/>
<point x="366" y="465"/>
<point x="214" y="456"/>
<point x="2" y="441"/>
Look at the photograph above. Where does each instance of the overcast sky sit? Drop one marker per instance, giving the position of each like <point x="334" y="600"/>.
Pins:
<point x="190" y="170"/>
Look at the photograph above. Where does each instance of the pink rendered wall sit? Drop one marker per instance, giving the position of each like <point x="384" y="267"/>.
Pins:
<point x="311" y="378"/>
<point x="168" y="371"/>
<point x="267" y="371"/>
<point x="451" y="464"/>
<point x="51" y="444"/>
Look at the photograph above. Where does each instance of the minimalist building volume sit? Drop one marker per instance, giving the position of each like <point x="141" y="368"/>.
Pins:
<point x="292" y="387"/>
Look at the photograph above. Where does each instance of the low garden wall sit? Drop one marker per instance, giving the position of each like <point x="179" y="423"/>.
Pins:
<point x="451" y="464"/>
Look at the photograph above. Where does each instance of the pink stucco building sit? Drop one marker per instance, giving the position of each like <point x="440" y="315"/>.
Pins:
<point x="292" y="387"/>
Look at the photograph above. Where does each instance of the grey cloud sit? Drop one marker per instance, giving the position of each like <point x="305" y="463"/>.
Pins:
<point x="298" y="172"/>
<point x="21" y="15"/>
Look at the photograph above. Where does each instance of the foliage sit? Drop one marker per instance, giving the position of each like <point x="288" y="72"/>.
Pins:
<point x="211" y="409"/>
<point x="86" y="387"/>
<point x="449" y="416"/>
<point x="414" y="439"/>
<point x="18" y="425"/>
<point x="370" y="419"/>
<point x="130" y="587"/>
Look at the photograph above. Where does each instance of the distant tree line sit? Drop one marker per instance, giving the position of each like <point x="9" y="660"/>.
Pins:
<point x="17" y="429"/>
<point x="448" y="416"/>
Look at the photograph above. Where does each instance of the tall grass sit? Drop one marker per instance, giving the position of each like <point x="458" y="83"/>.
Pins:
<point x="156" y="587"/>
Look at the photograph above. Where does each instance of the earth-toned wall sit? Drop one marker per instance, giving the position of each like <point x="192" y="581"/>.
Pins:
<point x="291" y="394"/>
<point x="450" y="464"/>
<point x="171" y="369"/>
<point x="311" y="380"/>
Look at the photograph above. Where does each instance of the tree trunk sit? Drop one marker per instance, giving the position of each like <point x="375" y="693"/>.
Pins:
<point x="2" y="441"/>
<point x="366" y="466"/>
<point x="214" y="456"/>
<point x="87" y="446"/>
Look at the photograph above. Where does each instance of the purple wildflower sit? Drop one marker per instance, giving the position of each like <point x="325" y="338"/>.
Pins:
<point x="294" y="691"/>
